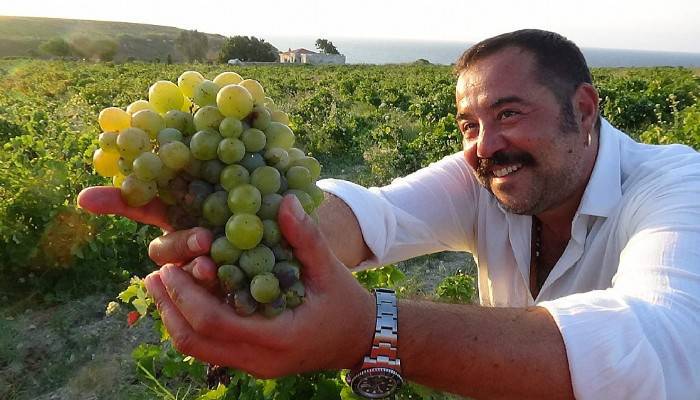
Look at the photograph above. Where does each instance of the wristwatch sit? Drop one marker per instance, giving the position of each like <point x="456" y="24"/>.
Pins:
<point x="379" y="376"/>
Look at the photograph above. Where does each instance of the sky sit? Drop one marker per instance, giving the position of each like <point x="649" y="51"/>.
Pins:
<point x="670" y="25"/>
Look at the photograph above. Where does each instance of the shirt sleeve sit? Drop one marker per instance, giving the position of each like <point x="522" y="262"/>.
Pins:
<point x="640" y="339"/>
<point x="431" y="210"/>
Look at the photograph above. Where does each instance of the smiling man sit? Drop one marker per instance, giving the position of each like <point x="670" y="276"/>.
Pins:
<point x="586" y="244"/>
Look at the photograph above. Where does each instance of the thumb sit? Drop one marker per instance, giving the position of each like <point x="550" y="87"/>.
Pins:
<point x="309" y="245"/>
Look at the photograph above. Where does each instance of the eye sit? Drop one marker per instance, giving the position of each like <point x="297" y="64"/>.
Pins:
<point x="469" y="128"/>
<point x="507" y="114"/>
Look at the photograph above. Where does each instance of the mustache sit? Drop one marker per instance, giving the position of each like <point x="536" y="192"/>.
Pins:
<point x="483" y="170"/>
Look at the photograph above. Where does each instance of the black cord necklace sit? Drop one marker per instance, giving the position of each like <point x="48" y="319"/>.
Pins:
<point x="536" y="251"/>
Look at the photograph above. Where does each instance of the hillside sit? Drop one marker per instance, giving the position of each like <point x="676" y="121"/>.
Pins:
<point x="22" y="36"/>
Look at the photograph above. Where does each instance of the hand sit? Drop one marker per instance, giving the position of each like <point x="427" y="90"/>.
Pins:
<point x="188" y="248"/>
<point x="331" y="329"/>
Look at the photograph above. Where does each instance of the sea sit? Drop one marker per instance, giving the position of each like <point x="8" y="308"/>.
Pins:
<point x="393" y="51"/>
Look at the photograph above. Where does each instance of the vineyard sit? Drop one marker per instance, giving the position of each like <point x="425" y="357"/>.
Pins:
<point x="62" y="267"/>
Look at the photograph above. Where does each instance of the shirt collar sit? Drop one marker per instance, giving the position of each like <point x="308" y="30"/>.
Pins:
<point x="604" y="189"/>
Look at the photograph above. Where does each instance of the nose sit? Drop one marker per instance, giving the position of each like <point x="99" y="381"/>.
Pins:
<point x="489" y="142"/>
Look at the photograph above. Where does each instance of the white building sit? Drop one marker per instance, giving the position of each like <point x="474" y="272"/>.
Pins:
<point x="304" y="56"/>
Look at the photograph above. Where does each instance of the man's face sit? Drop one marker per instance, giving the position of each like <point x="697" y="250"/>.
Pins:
<point x="512" y="134"/>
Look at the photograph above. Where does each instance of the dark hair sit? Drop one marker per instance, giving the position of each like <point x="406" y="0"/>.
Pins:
<point x="560" y="65"/>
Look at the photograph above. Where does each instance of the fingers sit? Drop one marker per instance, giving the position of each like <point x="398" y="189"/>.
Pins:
<point x="304" y="236"/>
<point x="203" y="269"/>
<point x="108" y="200"/>
<point x="180" y="247"/>
<point x="188" y="341"/>
<point x="210" y="317"/>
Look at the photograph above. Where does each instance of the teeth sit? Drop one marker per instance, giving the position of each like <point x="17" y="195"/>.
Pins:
<point x="507" y="170"/>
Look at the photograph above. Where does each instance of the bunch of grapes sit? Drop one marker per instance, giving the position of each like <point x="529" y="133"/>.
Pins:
<point x="220" y="155"/>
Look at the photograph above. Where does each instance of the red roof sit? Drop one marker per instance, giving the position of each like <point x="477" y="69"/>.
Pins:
<point x="299" y="51"/>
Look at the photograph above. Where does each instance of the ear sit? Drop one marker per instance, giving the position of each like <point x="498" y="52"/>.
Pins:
<point x="586" y="106"/>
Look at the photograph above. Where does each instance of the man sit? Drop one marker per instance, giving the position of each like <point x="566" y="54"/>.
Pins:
<point x="587" y="246"/>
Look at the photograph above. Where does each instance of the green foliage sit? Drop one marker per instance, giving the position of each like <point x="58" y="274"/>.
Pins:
<point x="458" y="288"/>
<point x="94" y="49"/>
<point x="247" y="48"/>
<point x="56" y="47"/>
<point x="193" y="45"/>
<point x="326" y="46"/>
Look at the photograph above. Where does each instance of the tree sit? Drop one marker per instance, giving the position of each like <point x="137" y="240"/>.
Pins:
<point x="100" y="49"/>
<point x="193" y="45"/>
<point x="248" y="48"/>
<point x="326" y="46"/>
<point x="56" y="47"/>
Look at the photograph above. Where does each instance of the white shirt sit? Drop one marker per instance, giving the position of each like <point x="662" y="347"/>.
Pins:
<point x="625" y="293"/>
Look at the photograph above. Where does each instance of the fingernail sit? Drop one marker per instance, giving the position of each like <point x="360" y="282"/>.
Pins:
<point x="193" y="243"/>
<point x="297" y="209"/>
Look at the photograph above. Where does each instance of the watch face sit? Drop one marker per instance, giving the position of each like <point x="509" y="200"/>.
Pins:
<point x="376" y="383"/>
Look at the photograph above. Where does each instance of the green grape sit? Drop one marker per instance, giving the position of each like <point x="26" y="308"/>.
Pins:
<point x="295" y="294"/>
<point x="260" y="118"/>
<point x="251" y="161"/>
<point x="132" y="142"/>
<point x="168" y="135"/>
<point x="316" y="194"/>
<point x="244" y="198"/>
<point x="207" y="117"/>
<point x="125" y="165"/>
<point x="165" y="176"/>
<point x="298" y="177"/>
<point x="255" y="89"/>
<point x="180" y="120"/>
<point x="266" y="179"/>
<point x="147" y="166"/>
<point x="193" y="167"/>
<point x="166" y="196"/>
<point x="205" y="93"/>
<point x="211" y="170"/>
<point x="253" y="139"/>
<point x="136" y="192"/>
<point x="244" y="231"/>
<point x="283" y="185"/>
<point x="282" y="252"/>
<point x="105" y="163"/>
<point x="279" y="116"/>
<point x="287" y="273"/>
<point x="257" y="261"/>
<point x="279" y="135"/>
<point x="242" y="302"/>
<point x="117" y="180"/>
<point x="234" y="101"/>
<point x="187" y="105"/>
<point x="139" y="105"/>
<point x="165" y="96"/>
<point x="271" y="233"/>
<point x="295" y="154"/>
<point x="188" y="80"/>
<point x="230" y="150"/>
<point x="197" y="192"/>
<point x="148" y="121"/>
<point x="215" y="210"/>
<point x="309" y="163"/>
<point x="108" y="142"/>
<point x="227" y="78"/>
<point x="204" y="144"/>
<point x="175" y="155"/>
<point x="306" y="201"/>
<point x="264" y="287"/>
<point x="278" y="158"/>
<point x="269" y="206"/>
<point x="231" y="127"/>
<point x="269" y="103"/>
<point x="113" y="119"/>
<point x="233" y="175"/>
<point x="231" y="278"/>
<point x="275" y="307"/>
<point x="223" y="252"/>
